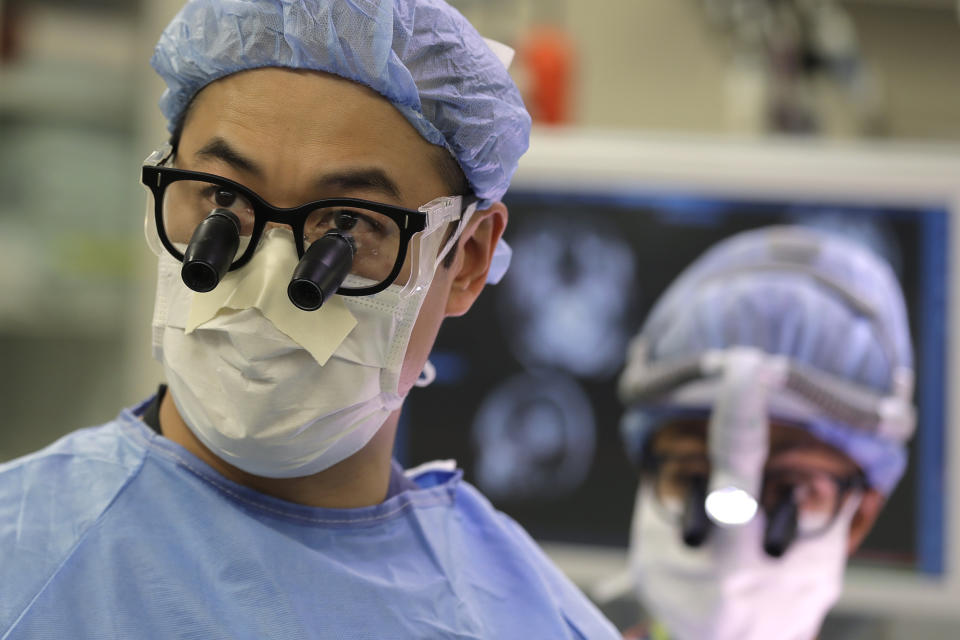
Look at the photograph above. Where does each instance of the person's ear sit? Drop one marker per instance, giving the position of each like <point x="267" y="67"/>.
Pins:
<point x="863" y="519"/>
<point x="474" y="254"/>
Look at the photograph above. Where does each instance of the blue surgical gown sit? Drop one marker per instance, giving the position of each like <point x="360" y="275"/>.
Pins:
<point x="117" y="532"/>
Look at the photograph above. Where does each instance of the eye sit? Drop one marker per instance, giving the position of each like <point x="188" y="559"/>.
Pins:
<point x="359" y="222"/>
<point x="677" y="479"/>
<point x="225" y="198"/>
<point x="813" y="491"/>
<point x="367" y="227"/>
<point x="345" y="220"/>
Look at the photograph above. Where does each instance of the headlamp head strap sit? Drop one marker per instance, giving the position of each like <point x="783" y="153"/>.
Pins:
<point x="814" y="392"/>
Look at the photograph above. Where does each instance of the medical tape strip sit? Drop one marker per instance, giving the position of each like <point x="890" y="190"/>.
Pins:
<point x="262" y="285"/>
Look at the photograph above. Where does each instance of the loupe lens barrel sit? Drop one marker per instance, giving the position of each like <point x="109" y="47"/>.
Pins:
<point x="321" y="271"/>
<point x="781" y="527"/>
<point x="695" y="524"/>
<point x="212" y="249"/>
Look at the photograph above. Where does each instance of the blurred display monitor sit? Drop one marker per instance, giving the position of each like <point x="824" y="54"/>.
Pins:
<point x="600" y="225"/>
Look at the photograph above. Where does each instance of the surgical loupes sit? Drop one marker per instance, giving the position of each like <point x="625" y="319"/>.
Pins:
<point x="781" y="528"/>
<point x="213" y="247"/>
<point x="321" y="270"/>
<point x="695" y="524"/>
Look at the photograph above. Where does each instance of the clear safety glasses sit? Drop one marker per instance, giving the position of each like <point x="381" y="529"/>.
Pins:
<point x="189" y="205"/>
<point x="817" y="495"/>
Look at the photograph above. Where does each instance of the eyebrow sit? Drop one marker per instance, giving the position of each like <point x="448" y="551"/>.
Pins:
<point x="363" y="178"/>
<point x="794" y="441"/>
<point x="220" y="149"/>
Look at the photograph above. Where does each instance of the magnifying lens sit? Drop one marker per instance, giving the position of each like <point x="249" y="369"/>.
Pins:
<point x="695" y="525"/>
<point x="781" y="526"/>
<point x="321" y="270"/>
<point x="212" y="248"/>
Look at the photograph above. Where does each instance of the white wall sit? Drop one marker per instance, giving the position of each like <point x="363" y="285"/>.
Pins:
<point x="659" y="65"/>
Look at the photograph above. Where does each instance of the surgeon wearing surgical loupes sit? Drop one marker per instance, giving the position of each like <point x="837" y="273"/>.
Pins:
<point x="330" y="193"/>
<point x="769" y="398"/>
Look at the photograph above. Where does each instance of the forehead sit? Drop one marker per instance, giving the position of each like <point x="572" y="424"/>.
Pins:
<point x="295" y="123"/>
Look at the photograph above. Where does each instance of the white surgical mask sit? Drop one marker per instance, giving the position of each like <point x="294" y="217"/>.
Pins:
<point x="259" y="399"/>
<point x="728" y="588"/>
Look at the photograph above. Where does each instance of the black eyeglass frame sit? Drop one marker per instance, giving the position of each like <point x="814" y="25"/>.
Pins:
<point x="157" y="178"/>
<point x="650" y="464"/>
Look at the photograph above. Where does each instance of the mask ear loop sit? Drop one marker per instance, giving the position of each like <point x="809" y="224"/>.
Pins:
<point x="427" y="376"/>
<point x="429" y="373"/>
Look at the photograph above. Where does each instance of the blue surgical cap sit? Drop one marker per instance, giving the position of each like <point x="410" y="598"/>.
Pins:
<point x="821" y="300"/>
<point x="421" y="55"/>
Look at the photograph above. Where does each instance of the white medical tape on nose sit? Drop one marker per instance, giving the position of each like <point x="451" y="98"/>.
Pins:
<point x="262" y="284"/>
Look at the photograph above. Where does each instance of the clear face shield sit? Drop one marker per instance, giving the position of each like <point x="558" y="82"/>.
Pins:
<point x="345" y="246"/>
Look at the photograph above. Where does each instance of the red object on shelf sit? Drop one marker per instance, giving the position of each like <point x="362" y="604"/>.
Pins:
<point x="548" y="55"/>
<point x="9" y="24"/>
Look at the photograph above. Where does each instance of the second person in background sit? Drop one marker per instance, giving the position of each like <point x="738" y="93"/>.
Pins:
<point x="769" y="405"/>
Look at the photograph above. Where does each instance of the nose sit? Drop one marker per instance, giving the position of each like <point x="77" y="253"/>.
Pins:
<point x="277" y="225"/>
